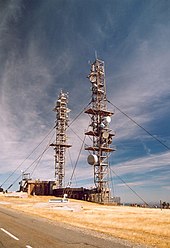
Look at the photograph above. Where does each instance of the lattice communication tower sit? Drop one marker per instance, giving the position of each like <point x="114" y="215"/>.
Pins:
<point x="61" y="145"/>
<point x="99" y="131"/>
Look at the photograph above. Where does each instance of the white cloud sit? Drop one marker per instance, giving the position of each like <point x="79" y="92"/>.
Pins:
<point x="144" y="164"/>
<point x="141" y="87"/>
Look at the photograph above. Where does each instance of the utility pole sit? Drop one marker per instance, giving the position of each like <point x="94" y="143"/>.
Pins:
<point x="61" y="145"/>
<point x="99" y="132"/>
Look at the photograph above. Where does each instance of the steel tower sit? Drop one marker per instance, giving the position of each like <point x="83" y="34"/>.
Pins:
<point x="99" y="131"/>
<point x="61" y="145"/>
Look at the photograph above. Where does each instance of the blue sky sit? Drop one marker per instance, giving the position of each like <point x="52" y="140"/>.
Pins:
<point x="46" y="46"/>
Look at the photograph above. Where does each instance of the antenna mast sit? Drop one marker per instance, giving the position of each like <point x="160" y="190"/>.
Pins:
<point x="60" y="145"/>
<point x="99" y="131"/>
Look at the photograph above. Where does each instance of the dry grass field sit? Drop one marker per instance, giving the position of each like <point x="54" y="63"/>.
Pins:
<point x="146" y="226"/>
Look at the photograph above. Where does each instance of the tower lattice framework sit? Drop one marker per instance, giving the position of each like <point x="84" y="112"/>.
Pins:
<point x="99" y="131"/>
<point x="61" y="145"/>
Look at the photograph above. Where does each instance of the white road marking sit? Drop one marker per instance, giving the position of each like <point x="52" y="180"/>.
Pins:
<point x="10" y="234"/>
<point x="28" y="246"/>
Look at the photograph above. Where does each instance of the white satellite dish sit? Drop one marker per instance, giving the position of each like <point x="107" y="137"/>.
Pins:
<point x="108" y="119"/>
<point x="92" y="78"/>
<point x="92" y="159"/>
<point x="105" y="135"/>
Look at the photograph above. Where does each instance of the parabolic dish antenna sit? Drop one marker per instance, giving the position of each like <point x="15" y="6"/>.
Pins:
<point x="92" y="78"/>
<point x="108" y="119"/>
<point x="92" y="159"/>
<point x="105" y="135"/>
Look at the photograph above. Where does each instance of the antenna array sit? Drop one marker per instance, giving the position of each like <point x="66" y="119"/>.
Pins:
<point x="61" y="145"/>
<point x="99" y="131"/>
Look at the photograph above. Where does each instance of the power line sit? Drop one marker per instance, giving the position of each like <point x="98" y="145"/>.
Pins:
<point x="72" y="165"/>
<point x="112" y="181"/>
<point x="69" y="183"/>
<point x="26" y="158"/>
<point x="42" y="155"/>
<point x="144" y="129"/>
<point x="158" y="140"/>
<point x="129" y="187"/>
<point x="37" y="159"/>
<point x="79" y="136"/>
<point x="78" y="115"/>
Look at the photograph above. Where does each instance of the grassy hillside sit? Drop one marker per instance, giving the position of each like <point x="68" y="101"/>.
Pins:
<point x="139" y="225"/>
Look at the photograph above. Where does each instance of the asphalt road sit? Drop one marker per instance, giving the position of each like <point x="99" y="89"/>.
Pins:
<point x="20" y="230"/>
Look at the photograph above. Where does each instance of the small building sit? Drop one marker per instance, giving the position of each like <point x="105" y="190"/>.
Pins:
<point x="38" y="187"/>
<point x="84" y="194"/>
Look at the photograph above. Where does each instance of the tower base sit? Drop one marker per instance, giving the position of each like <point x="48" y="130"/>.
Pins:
<point x="90" y="195"/>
